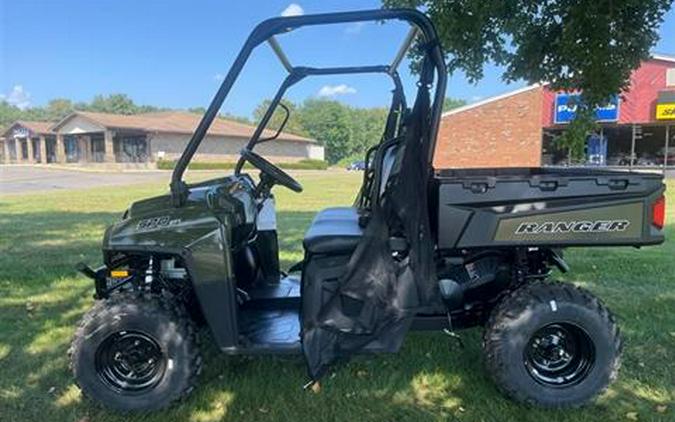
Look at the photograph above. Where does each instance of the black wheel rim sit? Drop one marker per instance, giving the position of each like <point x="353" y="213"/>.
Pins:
<point x="130" y="362"/>
<point x="559" y="355"/>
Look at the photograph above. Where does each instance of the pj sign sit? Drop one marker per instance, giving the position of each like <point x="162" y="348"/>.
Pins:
<point x="665" y="111"/>
<point x="566" y="109"/>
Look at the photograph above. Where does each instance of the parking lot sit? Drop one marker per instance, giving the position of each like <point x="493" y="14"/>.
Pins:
<point x="17" y="179"/>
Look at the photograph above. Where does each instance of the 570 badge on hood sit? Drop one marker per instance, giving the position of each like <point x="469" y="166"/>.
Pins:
<point x="156" y="222"/>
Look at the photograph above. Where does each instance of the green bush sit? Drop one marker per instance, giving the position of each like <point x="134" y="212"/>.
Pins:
<point x="306" y="164"/>
<point x="165" y="165"/>
<point x="205" y="165"/>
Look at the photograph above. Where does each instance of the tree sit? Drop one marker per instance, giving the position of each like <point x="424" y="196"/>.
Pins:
<point x="8" y="114"/>
<point x="117" y="104"/>
<point x="590" y="45"/>
<point x="58" y="108"/>
<point x="366" y="128"/>
<point x="329" y="122"/>
<point x="587" y="45"/>
<point x="292" y="126"/>
<point x="114" y="103"/>
<point x="450" y="103"/>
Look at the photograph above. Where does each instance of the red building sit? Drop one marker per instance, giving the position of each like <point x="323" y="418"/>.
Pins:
<point x="520" y="128"/>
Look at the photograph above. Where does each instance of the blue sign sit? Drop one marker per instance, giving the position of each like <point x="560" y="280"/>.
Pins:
<point x="566" y="109"/>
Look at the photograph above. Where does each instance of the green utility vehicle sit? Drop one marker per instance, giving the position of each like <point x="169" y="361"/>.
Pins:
<point x="421" y="249"/>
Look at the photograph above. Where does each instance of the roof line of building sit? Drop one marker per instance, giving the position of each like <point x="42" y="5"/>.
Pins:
<point x="664" y="57"/>
<point x="491" y="99"/>
<point x="70" y="115"/>
<point x="95" y="118"/>
<point x="661" y="57"/>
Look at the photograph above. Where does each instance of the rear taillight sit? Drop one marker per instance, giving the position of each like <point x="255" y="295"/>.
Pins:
<point x="659" y="212"/>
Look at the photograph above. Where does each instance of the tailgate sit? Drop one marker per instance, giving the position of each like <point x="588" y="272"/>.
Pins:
<point x="551" y="207"/>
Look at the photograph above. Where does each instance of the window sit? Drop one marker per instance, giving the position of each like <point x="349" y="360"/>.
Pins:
<point x="130" y="149"/>
<point x="72" y="149"/>
<point x="97" y="148"/>
<point x="670" y="77"/>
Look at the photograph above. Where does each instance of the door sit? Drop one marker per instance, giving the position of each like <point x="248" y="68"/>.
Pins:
<point x="24" y="149"/>
<point x="37" y="153"/>
<point x="72" y="148"/>
<point x="50" y="149"/>
<point x="97" y="148"/>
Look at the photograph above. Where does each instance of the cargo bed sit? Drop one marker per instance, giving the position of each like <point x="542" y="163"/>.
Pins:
<point x="545" y="207"/>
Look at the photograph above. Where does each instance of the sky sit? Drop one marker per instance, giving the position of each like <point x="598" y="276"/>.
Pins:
<point x="174" y="54"/>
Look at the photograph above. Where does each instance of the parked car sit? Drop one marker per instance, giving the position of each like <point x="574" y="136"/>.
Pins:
<point x="624" y="159"/>
<point x="359" y="165"/>
<point x="660" y="157"/>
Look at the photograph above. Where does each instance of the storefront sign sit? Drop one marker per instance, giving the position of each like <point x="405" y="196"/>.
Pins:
<point x="566" y="109"/>
<point x="20" y="132"/>
<point x="665" y="111"/>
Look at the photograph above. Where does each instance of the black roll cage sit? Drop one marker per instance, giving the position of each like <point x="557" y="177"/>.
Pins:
<point x="266" y="31"/>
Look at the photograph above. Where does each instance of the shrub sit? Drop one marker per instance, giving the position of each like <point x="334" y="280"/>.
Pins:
<point x="306" y="164"/>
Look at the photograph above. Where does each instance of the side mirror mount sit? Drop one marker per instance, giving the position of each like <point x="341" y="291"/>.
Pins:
<point x="281" y="126"/>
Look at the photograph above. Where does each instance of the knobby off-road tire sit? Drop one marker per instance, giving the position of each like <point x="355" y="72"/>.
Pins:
<point x="552" y="345"/>
<point x="149" y="334"/>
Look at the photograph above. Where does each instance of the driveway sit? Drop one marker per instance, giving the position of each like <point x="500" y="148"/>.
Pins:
<point x="16" y="179"/>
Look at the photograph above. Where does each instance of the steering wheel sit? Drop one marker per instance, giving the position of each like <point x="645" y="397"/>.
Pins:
<point x="278" y="175"/>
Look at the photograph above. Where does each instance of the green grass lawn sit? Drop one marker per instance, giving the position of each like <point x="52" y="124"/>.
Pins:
<point x="42" y="236"/>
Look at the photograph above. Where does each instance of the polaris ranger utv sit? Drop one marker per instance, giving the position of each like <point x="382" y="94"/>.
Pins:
<point x="421" y="249"/>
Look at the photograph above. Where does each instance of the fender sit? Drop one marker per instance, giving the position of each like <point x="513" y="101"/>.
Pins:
<point x="200" y="239"/>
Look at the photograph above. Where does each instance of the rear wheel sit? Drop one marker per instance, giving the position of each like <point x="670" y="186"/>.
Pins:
<point x="552" y="344"/>
<point x="136" y="352"/>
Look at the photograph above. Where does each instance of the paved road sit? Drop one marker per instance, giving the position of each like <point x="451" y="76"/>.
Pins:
<point x="16" y="179"/>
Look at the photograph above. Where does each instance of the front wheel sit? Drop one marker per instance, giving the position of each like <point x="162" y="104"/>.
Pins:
<point x="135" y="352"/>
<point x="552" y="345"/>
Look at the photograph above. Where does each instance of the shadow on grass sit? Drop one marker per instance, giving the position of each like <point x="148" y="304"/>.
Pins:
<point x="430" y="379"/>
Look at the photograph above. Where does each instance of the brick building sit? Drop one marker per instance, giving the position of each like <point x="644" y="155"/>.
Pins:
<point x="520" y="128"/>
<point x="84" y="137"/>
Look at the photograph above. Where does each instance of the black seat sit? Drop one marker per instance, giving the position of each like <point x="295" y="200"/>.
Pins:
<point x="333" y="230"/>
<point x="337" y="230"/>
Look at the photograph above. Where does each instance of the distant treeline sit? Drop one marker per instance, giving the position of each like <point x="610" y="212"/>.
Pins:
<point x="345" y="131"/>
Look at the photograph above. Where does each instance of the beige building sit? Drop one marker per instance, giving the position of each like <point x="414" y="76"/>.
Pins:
<point x="28" y="142"/>
<point x="85" y="137"/>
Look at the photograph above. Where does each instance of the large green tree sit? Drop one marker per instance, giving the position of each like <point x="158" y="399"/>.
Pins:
<point x="587" y="45"/>
<point x="366" y="128"/>
<point x="292" y="126"/>
<point x="345" y="131"/>
<point x="591" y="45"/>
<point x="58" y="108"/>
<point x="8" y="114"/>
<point x="329" y="122"/>
<point x="117" y="104"/>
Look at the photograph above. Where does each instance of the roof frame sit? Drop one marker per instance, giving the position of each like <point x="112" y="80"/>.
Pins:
<point x="271" y="27"/>
<point x="393" y="66"/>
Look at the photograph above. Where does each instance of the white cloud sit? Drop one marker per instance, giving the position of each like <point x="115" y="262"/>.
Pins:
<point x="17" y="97"/>
<point x="354" y="28"/>
<point x="334" y="90"/>
<point x="476" y="98"/>
<point x="218" y="77"/>
<point x="293" y="9"/>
